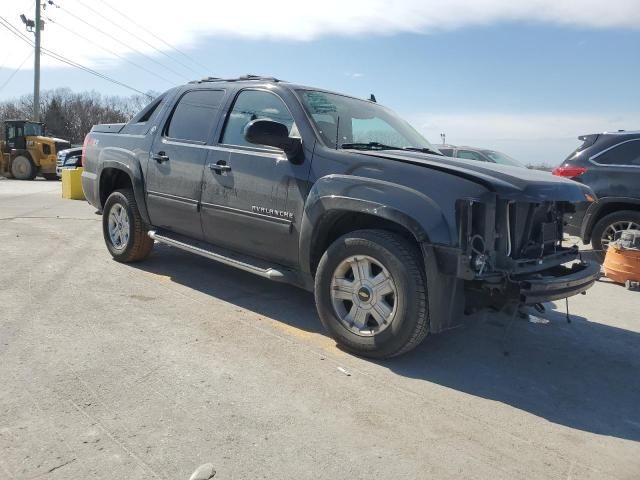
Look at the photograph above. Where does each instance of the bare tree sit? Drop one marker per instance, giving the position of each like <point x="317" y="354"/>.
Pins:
<point x="71" y="115"/>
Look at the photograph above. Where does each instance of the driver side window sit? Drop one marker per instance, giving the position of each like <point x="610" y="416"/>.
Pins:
<point x="252" y="105"/>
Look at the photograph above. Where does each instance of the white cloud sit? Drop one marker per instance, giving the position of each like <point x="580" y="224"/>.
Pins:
<point x="190" y="21"/>
<point x="533" y="138"/>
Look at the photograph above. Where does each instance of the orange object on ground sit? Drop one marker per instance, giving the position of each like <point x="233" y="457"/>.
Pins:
<point x="622" y="264"/>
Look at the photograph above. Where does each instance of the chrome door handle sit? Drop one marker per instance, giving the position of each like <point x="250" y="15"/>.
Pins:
<point x="219" y="167"/>
<point x="160" y="157"/>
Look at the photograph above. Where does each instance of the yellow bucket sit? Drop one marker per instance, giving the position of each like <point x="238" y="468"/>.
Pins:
<point x="72" y="183"/>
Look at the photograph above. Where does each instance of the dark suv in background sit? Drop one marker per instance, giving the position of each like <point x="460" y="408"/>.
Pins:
<point x="610" y="164"/>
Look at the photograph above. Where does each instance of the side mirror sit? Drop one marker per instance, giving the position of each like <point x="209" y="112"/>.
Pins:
<point x="273" y="134"/>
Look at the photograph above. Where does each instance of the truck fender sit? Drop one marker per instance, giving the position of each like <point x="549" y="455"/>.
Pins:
<point x="409" y="208"/>
<point x="120" y="159"/>
<point x="593" y="213"/>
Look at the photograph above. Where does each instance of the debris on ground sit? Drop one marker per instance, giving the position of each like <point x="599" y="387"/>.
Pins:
<point x="539" y="320"/>
<point x="203" y="472"/>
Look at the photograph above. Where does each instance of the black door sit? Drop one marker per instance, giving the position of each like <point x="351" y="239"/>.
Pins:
<point x="9" y="134"/>
<point x="178" y="155"/>
<point x="14" y="133"/>
<point x="253" y="196"/>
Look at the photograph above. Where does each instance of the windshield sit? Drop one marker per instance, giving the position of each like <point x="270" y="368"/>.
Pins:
<point x="502" y="158"/>
<point x="358" y="123"/>
<point x="33" y="129"/>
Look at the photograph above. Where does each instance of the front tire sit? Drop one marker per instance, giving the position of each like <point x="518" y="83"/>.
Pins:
<point x="371" y="294"/>
<point x="608" y="226"/>
<point x="23" y="168"/>
<point x="124" y="231"/>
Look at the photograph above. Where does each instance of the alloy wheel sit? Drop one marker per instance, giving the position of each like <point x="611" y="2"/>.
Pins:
<point x="119" y="227"/>
<point x="364" y="295"/>
<point x="612" y="232"/>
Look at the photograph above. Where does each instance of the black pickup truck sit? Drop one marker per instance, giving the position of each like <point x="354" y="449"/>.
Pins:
<point x="337" y="195"/>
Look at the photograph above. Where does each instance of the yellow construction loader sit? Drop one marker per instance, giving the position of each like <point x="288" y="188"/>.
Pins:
<point x="28" y="152"/>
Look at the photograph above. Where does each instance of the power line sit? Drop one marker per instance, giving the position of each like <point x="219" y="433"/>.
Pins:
<point x="138" y="37"/>
<point x="16" y="71"/>
<point x="127" y="46"/>
<point x="93" y="72"/>
<point x="110" y="51"/>
<point x="160" y="39"/>
<point x="5" y="23"/>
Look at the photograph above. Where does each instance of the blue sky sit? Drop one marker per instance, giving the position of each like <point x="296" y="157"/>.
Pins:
<point x="525" y="86"/>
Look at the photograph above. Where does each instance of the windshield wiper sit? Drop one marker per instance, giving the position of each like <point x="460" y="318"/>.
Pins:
<point x="382" y="146"/>
<point x="370" y="146"/>
<point x="423" y="150"/>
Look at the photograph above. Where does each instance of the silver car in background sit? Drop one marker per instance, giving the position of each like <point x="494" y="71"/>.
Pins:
<point x="479" y="155"/>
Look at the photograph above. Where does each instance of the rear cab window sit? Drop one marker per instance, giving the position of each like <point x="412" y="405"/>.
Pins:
<point x="141" y="123"/>
<point x="195" y="116"/>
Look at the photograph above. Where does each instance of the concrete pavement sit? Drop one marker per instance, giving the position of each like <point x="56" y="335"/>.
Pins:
<point x="149" y="370"/>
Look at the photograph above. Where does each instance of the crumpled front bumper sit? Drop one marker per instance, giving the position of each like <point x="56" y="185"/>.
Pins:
<point x="556" y="283"/>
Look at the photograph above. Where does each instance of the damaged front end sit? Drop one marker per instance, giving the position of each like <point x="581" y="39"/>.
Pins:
<point x="512" y="252"/>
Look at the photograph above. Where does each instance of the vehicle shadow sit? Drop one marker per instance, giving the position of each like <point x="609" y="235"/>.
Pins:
<point x="582" y="374"/>
<point x="280" y="301"/>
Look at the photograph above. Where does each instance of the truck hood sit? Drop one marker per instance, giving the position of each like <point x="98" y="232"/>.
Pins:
<point x="517" y="183"/>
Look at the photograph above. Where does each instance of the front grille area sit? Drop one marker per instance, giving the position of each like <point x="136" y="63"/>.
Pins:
<point x="535" y="228"/>
<point x="510" y="237"/>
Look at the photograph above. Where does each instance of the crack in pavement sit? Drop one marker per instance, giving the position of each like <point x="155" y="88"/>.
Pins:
<point x="61" y="465"/>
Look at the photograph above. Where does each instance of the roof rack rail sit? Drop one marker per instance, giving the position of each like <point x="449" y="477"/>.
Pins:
<point x="243" y="78"/>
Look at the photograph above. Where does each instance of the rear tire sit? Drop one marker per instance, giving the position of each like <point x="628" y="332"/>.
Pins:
<point x="604" y="230"/>
<point x="124" y="231"/>
<point x="23" y="168"/>
<point x="378" y="308"/>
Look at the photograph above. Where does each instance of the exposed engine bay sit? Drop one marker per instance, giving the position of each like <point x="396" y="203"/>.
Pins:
<point x="513" y="252"/>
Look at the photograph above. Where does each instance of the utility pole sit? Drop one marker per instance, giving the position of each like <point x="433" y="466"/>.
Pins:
<point x="36" y="68"/>
<point x="35" y="27"/>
